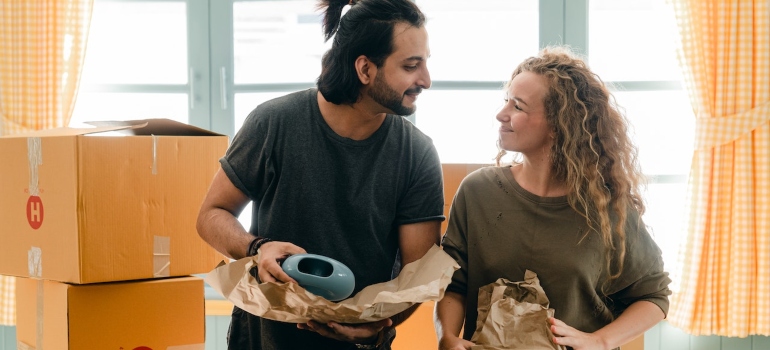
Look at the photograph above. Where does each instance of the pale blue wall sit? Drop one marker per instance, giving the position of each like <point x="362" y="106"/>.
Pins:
<point x="216" y="332"/>
<point x="7" y="338"/>
<point x="666" y="337"/>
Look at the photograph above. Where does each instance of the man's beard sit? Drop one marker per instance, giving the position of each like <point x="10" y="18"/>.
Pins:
<point x="389" y="98"/>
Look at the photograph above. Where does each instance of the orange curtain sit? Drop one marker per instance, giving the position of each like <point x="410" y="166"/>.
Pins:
<point x="42" y="43"/>
<point x="724" y="282"/>
<point x="7" y="301"/>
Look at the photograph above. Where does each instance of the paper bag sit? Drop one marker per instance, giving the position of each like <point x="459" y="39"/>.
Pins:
<point x="514" y="315"/>
<point x="423" y="280"/>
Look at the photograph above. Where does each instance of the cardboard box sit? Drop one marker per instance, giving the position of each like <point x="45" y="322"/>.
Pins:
<point x="87" y="206"/>
<point x="148" y="315"/>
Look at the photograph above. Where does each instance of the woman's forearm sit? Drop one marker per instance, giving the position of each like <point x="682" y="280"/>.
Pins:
<point x="449" y="315"/>
<point x="637" y="319"/>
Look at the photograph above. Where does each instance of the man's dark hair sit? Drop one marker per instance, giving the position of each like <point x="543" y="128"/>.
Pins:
<point x="366" y="29"/>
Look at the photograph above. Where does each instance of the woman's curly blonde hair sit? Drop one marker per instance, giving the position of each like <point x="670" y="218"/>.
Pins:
<point x="592" y="152"/>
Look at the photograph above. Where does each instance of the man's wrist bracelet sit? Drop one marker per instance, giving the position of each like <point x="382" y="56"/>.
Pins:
<point x="256" y="244"/>
<point x="376" y="345"/>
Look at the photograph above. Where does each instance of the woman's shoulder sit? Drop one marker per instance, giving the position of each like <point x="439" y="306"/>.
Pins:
<point x="483" y="176"/>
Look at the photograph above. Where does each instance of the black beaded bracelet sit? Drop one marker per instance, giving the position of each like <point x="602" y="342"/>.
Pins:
<point x="251" y="251"/>
<point x="256" y="244"/>
<point x="260" y="243"/>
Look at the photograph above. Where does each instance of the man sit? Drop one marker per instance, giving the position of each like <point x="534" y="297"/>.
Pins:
<point x="335" y="171"/>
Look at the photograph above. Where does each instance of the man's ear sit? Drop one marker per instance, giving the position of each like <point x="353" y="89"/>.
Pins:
<point x="364" y="69"/>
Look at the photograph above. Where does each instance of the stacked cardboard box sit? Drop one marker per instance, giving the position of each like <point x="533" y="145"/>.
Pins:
<point x="108" y="214"/>
<point x="156" y="314"/>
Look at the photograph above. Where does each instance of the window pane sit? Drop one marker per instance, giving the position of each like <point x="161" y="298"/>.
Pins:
<point x="137" y="43"/>
<point x="632" y="40"/>
<point x="663" y="128"/>
<point x="277" y="41"/>
<point x="484" y="41"/>
<point x="128" y="106"/>
<point x="463" y="130"/>
<point x="665" y="218"/>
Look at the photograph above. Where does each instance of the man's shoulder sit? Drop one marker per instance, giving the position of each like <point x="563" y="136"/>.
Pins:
<point x="280" y="111"/>
<point x="294" y="101"/>
<point x="408" y="130"/>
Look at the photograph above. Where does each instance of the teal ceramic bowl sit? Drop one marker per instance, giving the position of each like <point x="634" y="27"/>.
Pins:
<point x="320" y="275"/>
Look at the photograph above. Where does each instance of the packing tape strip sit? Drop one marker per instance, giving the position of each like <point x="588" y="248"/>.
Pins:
<point x="35" y="156"/>
<point x="154" y="155"/>
<point x="39" y="314"/>
<point x="161" y="256"/>
<point x="35" y="266"/>
<point x="35" y="262"/>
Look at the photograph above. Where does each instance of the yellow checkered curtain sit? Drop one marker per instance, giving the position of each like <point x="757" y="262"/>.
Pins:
<point x="42" y="43"/>
<point x="724" y="282"/>
<point x="7" y="301"/>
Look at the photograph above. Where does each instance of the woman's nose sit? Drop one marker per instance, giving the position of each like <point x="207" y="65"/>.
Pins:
<point x="502" y="116"/>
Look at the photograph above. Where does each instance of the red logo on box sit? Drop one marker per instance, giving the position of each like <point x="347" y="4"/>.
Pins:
<point x="35" y="212"/>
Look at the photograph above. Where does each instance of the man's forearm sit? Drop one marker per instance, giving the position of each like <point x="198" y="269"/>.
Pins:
<point x="220" y="229"/>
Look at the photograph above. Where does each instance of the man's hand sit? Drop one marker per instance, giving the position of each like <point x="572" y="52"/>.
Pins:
<point x="271" y="254"/>
<point x="361" y="333"/>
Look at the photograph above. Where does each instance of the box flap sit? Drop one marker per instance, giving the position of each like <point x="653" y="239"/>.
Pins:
<point x="155" y="127"/>
<point x="126" y="127"/>
<point x="65" y="131"/>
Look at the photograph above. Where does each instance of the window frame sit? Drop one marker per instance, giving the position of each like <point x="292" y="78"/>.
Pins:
<point x="211" y="89"/>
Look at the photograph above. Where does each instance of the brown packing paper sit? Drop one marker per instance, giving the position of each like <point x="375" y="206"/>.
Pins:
<point x="423" y="280"/>
<point x="514" y="315"/>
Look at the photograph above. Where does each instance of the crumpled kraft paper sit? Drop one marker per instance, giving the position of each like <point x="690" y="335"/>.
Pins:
<point x="423" y="280"/>
<point x="514" y="315"/>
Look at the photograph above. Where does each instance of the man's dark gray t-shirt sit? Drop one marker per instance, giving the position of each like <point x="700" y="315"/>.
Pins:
<point x="330" y="195"/>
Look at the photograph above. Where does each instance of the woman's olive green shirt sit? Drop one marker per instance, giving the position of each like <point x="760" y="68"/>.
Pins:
<point x="497" y="229"/>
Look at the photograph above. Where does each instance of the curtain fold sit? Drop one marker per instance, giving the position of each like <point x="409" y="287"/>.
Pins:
<point x="42" y="44"/>
<point x="724" y="283"/>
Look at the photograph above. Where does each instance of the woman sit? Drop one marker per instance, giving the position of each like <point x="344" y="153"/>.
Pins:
<point x="568" y="208"/>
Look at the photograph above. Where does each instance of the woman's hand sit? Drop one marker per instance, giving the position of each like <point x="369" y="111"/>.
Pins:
<point x="360" y="333"/>
<point x="450" y="342"/>
<point x="568" y="336"/>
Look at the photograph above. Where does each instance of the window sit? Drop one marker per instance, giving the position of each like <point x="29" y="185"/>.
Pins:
<point x="474" y="49"/>
<point x="210" y="62"/>
<point x="640" y="60"/>
<point x="145" y="59"/>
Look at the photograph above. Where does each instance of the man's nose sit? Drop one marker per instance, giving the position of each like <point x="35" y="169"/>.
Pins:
<point x="424" y="81"/>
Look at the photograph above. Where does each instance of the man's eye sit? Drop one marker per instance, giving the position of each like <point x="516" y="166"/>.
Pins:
<point x="410" y="67"/>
